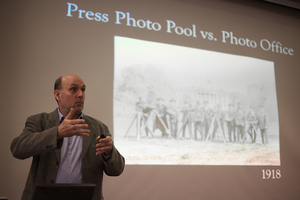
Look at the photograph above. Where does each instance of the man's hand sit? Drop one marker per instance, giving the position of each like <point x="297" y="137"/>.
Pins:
<point x="70" y="127"/>
<point x="104" y="145"/>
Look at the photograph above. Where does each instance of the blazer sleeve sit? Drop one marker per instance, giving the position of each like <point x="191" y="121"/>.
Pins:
<point x="37" y="138"/>
<point x="115" y="165"/>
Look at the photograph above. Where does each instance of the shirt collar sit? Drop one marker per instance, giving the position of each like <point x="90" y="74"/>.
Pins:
<point x="60" y="116"/>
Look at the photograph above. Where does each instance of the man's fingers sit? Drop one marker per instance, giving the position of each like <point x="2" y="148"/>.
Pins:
<point x="104" y="145"/>
<point x="73" y="122"/>
<point x="82" y="132"/>
<point x="70" y="115"/>
<point x="104" y="142"/>
<point x="104" y="149"/>
<point x="80" y="126"/>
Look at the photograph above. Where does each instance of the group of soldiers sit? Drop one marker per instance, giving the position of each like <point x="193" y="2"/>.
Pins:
<point x="202" y="122"/>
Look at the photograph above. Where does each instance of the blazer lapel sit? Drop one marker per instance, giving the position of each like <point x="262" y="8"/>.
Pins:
<point x="51" y="122"/>
<point x="87" y="140"/>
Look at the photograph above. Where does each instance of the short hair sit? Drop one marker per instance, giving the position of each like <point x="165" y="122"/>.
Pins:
<point x="57" y="84"/>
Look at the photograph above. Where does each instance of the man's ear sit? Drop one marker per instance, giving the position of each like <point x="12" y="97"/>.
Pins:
<point x="57" y="95"/>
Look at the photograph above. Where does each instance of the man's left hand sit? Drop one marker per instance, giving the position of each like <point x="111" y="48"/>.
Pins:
<point x="104" y="145"/>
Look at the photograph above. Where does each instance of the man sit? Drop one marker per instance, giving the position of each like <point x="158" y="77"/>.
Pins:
<point x="240" y="122"/>
<point x="144" y="117"/>
<point x="207" y="117"/>
<point x="65" y="144"/>
<point x="263" y="124"/>
<point x="199" y="120"/>
<point x="217" y="121"/>
<point x="230" y="120"/>
<point x="161" y="117"/>
<point x="252" y="120"/>
<point x="187" y="118"/>
<point x="173" y="113"/>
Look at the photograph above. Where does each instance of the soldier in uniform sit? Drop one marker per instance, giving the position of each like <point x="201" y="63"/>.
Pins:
<point x="263" y="124"/>
<point x="173" y="114"/>
<point x="187" y="118"/>
<point x="161" y="119"/>
<point x="199" y="120"/>
<point x="252" y="120"/>
<point x="207" y="117"/>
<point x="230" y="121"/>
<point x="240" y="122"/>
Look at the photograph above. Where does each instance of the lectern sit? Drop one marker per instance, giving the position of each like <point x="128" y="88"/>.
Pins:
<point x="63" y="192"/>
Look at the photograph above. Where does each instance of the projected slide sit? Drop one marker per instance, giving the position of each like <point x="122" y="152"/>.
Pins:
<point x="176" y="105"/>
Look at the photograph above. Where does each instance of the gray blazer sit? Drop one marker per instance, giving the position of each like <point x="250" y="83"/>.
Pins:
<point x="39" y="139"/>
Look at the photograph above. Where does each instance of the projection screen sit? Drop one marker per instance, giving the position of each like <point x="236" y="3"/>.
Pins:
<point x="201" y="97"/>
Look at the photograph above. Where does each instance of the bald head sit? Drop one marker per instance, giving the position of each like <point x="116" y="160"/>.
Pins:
<point x="69" y="92"/>
<point x="58" y="82"/>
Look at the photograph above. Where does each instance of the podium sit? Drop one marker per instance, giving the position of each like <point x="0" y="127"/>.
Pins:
<point x="63" y="191"/>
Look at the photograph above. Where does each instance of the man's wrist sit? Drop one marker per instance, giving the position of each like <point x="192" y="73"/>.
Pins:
<point x="105" y="157"/>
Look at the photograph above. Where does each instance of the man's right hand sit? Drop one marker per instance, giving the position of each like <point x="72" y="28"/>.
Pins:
<point x="70" y="127"/>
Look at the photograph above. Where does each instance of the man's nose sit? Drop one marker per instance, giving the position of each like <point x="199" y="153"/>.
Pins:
<point x="80" y="93"/>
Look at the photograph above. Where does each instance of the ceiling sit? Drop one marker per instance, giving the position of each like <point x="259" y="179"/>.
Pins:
<point x="289" y="3"/>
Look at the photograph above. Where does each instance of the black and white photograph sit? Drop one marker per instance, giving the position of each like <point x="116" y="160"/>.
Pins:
<point x="176" y="105"/>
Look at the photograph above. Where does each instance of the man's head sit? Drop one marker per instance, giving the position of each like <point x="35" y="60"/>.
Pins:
<point x="69" y="92"/>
